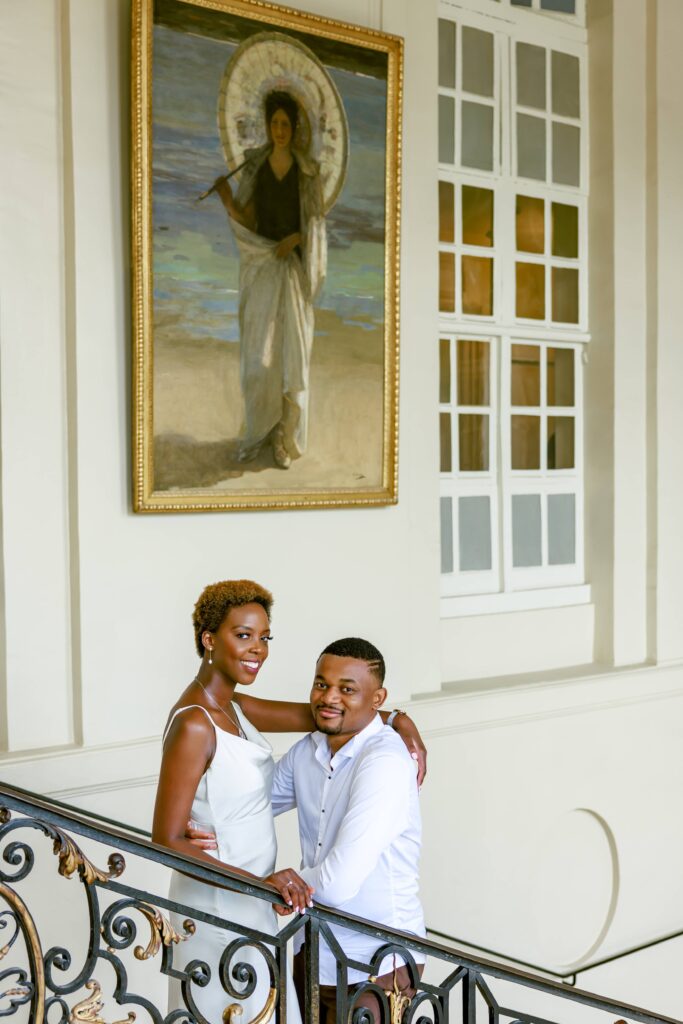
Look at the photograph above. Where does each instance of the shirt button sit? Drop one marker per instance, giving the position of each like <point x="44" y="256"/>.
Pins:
<point x="323" y="810"/>
<point x="320" y="844"/>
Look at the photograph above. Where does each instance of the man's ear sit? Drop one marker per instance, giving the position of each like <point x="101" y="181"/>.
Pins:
<point x="380" y="695"/>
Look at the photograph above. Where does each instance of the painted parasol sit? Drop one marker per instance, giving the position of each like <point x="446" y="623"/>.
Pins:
<point x="272" y="61"/>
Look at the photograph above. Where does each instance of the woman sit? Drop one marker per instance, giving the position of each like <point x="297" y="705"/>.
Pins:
<point x="217" y="770"/>
<point x="278" y="221"/>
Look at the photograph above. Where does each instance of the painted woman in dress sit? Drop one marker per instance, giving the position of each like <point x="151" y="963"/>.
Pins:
<point x="277" y="217"/>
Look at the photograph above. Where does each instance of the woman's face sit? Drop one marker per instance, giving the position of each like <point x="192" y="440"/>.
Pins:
<point x="281" y="129"/>
<point x="240" y="644"/>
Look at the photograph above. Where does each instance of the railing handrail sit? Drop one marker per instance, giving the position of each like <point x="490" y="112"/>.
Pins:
<point x="29" y="803"/>
<point x="567" y="976"/>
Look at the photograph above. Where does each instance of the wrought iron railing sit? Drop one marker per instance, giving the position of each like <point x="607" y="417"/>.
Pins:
<point x="83" y="977"/>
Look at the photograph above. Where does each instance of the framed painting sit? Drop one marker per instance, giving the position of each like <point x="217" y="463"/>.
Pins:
<point x="265" y="234"/>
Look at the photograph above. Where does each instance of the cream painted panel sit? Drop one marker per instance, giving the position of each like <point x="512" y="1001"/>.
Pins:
<point x="368" y="572"/>
<point x="481" y="646"/>
<point x="32" y="390"/>
<point x="629" y="93"/>
<point x="670" y="330"/>
<point x="510" y="772"/>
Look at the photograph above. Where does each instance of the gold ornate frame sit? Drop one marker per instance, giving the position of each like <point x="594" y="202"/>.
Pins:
<point x="145" y="498"/>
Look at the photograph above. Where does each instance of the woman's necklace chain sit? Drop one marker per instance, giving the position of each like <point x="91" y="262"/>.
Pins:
<point x="233" y="721"/>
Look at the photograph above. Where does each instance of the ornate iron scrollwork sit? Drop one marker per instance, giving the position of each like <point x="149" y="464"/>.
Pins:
<point x="37" y="982"/>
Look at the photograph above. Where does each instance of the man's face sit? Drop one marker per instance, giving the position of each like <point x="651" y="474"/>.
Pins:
<point x="344" y="698"/>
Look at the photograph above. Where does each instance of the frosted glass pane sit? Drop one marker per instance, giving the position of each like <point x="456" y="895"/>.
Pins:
<point x="444" y="370"/>
<point x="473" y="441"/>
<point x="566" y="154"/>
<point x="530" y="281"/>
<point x="565" y="79"/>
<point x="525" y="375"/>
<point x="530" y="224"/>
<point x="446" y="535"/>
<point x="446" y="282"/>
<point x="561" y="529"/>
<point x="565" y="230"/>
<point x="531" y="91"/>
<point x="477" y="285"/>
<point x="477" y="216"/>
<point x="446" y="212"/>
<point x="560" y="376"/>
<point x="446" y="53"/>
<point x="446" y="129"/>
<point x="563" y="6"/>
<point x="565" y="295"/>
<point x="526" y="530"/>
<point x="474" y="533"/>
<point x="525" y="438"/>
<point x="530" y="147"/>
<point x="477" y="61"/>
<point x="560" y="442"/>
<point x="477" y="136"/>
<point x="473" y="372"/>
<point x="445" y="438"/>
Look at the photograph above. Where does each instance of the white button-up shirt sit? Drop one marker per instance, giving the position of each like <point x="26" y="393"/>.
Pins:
<point x="360" y="832"/>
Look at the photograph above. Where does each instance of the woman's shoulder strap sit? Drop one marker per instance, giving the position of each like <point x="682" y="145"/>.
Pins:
<point x="186" y="707"/>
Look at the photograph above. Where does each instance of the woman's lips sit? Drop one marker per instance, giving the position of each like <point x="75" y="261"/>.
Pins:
<point x="251" y="666"/>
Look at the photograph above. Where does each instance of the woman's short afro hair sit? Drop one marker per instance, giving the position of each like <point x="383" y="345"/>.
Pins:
<point x="216" y="600"/>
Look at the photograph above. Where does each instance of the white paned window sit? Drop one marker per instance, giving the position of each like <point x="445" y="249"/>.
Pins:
<point x="512" y="301"/>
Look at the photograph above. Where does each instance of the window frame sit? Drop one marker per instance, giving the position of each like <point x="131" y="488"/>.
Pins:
<point x="505" y="587"/>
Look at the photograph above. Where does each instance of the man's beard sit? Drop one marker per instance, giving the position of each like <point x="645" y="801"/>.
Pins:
<point x="329" y="728"/>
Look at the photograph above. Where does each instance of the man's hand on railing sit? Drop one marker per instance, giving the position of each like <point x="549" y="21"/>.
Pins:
<point x="294" y="891"/>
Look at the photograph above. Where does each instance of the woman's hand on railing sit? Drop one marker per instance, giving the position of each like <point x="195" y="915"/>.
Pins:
<point x="294" y="891"/>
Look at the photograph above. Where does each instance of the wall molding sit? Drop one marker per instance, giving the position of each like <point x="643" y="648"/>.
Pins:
<point x="457" y="709"/>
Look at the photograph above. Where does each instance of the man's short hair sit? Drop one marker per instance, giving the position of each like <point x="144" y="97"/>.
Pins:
<point x="356" y="647"/>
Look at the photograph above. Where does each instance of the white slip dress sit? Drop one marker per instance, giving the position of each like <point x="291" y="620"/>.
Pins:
<point x="233" y="800"/>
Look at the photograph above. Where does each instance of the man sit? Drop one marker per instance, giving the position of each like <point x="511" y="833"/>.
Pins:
<point x="354" y="786"/>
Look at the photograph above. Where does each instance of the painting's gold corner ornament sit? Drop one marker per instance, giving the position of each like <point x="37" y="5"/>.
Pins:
<point x="162" y="932"/>
<point x="90" y="1008"/>
<point x="232" y="1012"/>
<point x="72" y="858"/>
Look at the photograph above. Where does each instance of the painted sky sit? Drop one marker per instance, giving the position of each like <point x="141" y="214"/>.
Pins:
<point x="195" y="258"/>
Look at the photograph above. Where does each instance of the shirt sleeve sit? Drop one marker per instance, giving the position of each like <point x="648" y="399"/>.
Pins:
<point x="283" y="797"/>
<point x="378" y="812"/>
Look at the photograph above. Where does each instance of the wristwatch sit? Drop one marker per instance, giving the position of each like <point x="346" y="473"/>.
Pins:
<point x="392" y="716"/>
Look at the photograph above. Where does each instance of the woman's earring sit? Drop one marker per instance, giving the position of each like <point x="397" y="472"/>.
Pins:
<point x="210" y="650"/>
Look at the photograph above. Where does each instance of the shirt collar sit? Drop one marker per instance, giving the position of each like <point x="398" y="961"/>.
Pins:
<point x="350" y="749"/>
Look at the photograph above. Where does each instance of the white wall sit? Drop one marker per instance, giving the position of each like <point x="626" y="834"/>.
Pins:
<point x="126" y="589"/>
<point x="551" y="806"/>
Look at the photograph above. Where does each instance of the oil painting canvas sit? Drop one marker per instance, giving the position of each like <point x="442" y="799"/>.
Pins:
<point x="266" y="188"/>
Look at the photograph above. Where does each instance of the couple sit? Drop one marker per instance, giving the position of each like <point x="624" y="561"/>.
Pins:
<point x="352" y="782"/>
